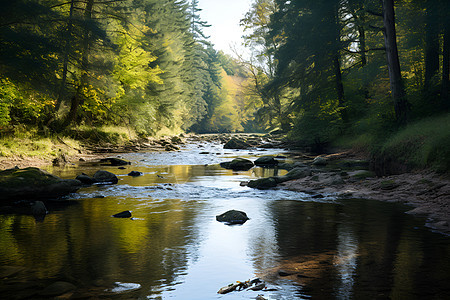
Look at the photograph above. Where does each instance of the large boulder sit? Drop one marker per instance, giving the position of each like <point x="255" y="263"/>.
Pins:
<point x="266" y="161"/>
<point x="234" y="143"/>
<point x="34" y="184"/>
<point x="105" y="177"/>
<point x="101" y="176"/>
<point x="263" y="183"/>
<point x="233" y="217"/>
<point x="320" y="161"/>
<point x="85" y="179"/>
<point x="238" y="164"/>
<point x="295" y="173"/>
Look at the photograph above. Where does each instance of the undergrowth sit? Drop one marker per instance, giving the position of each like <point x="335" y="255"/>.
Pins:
<point x="425" y="144"/>
<point x="420" y="145"/>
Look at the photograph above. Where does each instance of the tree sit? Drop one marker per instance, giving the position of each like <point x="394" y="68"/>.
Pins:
<point x="401" y="105"/>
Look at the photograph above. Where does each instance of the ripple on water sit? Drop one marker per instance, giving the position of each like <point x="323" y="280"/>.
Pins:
<point x="197" y="191"/>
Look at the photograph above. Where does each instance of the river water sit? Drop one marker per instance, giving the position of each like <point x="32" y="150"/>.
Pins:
<point x="173" y="248"/>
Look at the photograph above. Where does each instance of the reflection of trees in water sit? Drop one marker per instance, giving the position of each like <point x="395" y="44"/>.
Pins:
<point x="357" y="250"/>
<point x="83" y="244"/>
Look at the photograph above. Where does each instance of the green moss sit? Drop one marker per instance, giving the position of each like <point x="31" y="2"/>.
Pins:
<point x="388" y="184"/>
<point x="17" y="177"/>
<point x="364" y="175"/>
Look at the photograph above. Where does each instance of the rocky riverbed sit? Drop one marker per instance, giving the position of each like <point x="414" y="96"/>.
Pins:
<point x="345" y="174"/>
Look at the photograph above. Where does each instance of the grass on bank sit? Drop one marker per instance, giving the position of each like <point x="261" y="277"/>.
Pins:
<point x="40" y="147"/>
<point x="27" y="142"/>
<point x="420" y="145"/>
<point x="425" y="144"/>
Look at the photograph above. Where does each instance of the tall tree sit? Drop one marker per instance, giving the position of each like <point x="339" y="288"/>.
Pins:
<point x="401" y="105"/>
<point x="431" y="43"/>
<point x="445" y="85"/>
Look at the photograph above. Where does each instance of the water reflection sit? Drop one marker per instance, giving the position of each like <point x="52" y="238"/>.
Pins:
<point x="173" y="247"/>
<point x="346" y="260"/>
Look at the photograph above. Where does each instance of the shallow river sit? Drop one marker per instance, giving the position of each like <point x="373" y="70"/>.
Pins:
<point x="173" y="248"/>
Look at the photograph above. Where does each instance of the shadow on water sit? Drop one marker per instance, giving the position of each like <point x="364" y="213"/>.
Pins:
<point x="173" y="248"/>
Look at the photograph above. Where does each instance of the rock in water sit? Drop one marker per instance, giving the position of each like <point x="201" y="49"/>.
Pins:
<point x="85" y="179"/>
<point x="38" y="209"/>
<point x="123" y="214"/>
<point x="102" y="176"/>
<point x="33" y="184"/>
<point x="114" y="161"/>
<point x="263" y="183"/>
<point x="236" y="144"/>
<point x="233" y="217"/>
<point x="135" y="173"/>
<point x="238" y="164"/>
<point x="266" y="161"/>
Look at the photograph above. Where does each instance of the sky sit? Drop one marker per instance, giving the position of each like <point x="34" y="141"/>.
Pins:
<point x="224" y="17"/>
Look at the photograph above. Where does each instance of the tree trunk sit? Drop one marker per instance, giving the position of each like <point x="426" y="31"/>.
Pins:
<point x="431" y="44"/>
<point x="77" y="99"/>
<point x="337" y="67"/>
<point x="362" y="45"/>
<point x="340" y="89"/>
<point x="401" y="105"/>
<point x="66" y="58"/>
<point x="445" y="67"/>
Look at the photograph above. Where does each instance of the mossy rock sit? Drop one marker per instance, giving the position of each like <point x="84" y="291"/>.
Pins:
<point x="33" y="183"/>
<point x="389" y="185"/>
<point x="263" y="183"/>
<point x="362" y="174"/>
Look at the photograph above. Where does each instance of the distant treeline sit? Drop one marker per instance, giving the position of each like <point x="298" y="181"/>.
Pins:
<point x="144" y="64"/>
<point x="318" y="70"/>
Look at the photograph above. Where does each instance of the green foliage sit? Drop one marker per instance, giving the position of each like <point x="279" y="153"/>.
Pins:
<point x="423" y="144"/>
<point x="7" y="95"/>
<point x="144" y="64"/>
<point x="101" y="135"/>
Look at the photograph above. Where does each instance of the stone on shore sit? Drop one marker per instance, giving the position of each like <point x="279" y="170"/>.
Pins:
<point x="295" y="173"/>
<point x="34" y="184"/>
<point x="320" y="161"/>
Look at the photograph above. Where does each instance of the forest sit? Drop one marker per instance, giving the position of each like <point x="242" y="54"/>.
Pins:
<point x="367" y="74"/>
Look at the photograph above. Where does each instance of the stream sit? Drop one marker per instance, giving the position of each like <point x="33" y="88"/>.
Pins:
<point x="173" y="247"/>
